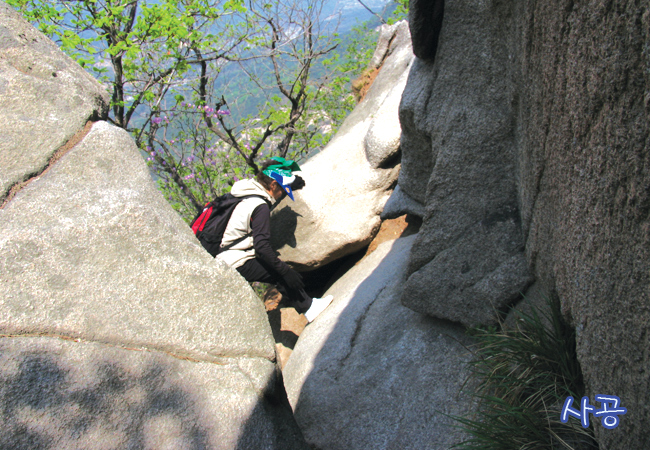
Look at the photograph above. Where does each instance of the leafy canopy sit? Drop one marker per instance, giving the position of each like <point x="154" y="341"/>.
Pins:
<point x="209" y="87"/>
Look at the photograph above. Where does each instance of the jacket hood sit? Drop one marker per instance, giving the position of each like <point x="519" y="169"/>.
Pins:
<point x="243" y="188"/>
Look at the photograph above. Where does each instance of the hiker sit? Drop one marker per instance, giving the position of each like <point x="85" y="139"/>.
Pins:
<point x="248" y="233"/>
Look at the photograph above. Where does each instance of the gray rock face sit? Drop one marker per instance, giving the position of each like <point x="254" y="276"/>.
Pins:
<point x="584" y="171"/>
<point x="382" y="140"/>
<point x="468" y="260"/>
<point x="73" y="264"/>
<point x="555" y="97"/>
<point x="92" y="252"/>
<point x="370" y="373"/>
<point x="425" y="22"/>
<point x="62" y="394"/>
<point x="36" y="118"/>
<point x="399" y="204"/>
<point x="348" y="183"/>
<point x="117" y="330"/>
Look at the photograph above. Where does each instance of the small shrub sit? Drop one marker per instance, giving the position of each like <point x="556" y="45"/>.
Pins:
<point x="522" y="378"/>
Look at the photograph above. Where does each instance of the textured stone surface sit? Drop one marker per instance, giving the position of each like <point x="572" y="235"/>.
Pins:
<point x="584" y="166"/>
<point x="337" y="212"/>
<point x="382" y="140"/>
<point x="468" y="261"/>
<point x="63" y="394"/>
<point x="425" y="22"/>
<point x="370" y="373"/>
<point x="399" y="203"/>
<point x="566" y="84"/>
<point x="37" y="118"/>
<point x="383" y="47"/>
<point x="92" y="250"/>
<point x="117" y="330"/>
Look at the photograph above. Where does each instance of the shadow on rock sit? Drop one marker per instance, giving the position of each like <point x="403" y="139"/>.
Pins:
<point x="42" y="405"/>
<point x="64" y="394"/>
<point x="283" y="227"/>
<point x="283" y="433"/>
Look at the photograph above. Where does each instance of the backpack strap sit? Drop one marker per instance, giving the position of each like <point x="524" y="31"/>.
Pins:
<point x="199" y="221"/>
<point x="233" y="243"/>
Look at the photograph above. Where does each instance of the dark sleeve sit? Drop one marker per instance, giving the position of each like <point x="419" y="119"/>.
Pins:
<point x="261" y="226"/>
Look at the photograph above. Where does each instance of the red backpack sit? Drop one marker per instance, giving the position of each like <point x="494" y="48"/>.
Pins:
<point x="210" y="225"/>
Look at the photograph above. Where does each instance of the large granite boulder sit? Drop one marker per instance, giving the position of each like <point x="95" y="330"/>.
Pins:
<point x="349" y="181"/>
<point x="584" y="171"/>
<point x="117" y="330"/>
<point x="91" y="250"/>
<point x="370" y="373"/>
<point x="555" y="96"/>
<point x="36" y="117"/>
<point x="459" y="159"/>
<point x="399" y="203"/>
<point x="67" y="394"/>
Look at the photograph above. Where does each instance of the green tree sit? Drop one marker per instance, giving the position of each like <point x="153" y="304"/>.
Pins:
<point x="158" y="57"/>
<point x="337" y="100"/>
<point x="400" y="9"/>
<point x="278" y="65"/>
<point x="144" y="52"/>
<point x="139" y="49"/>
<point x="400" y="12"/>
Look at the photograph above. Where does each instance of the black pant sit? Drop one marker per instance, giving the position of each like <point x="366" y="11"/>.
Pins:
<point x="256" y="270"/>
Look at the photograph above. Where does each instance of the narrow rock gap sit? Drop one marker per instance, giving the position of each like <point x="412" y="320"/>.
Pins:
<point x="58" y="154"/>
<point x="287" y="324"/>
<point x="320" y="280"/>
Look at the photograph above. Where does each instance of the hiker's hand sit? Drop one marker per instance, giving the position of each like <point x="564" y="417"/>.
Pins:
<point x="294" y="280"/>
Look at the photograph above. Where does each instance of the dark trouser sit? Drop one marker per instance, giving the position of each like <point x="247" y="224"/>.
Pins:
<point x="256" y="270"/>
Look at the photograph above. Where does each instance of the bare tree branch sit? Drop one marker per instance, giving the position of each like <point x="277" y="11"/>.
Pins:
<point x="381" y="19"/>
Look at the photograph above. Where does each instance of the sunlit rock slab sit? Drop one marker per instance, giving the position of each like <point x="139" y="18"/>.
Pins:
<point x="45" y="99"/>
<point x="370" y="373"/>
<point x="92" y="250"/>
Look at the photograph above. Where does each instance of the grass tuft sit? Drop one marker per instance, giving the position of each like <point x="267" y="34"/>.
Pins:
<point x="522" y="377"/>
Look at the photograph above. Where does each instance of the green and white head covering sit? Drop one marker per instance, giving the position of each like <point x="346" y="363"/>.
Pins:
<point x="282" y="172"/>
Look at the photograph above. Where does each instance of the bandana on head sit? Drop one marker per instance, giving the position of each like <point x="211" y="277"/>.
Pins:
<point x="282" y="173"/>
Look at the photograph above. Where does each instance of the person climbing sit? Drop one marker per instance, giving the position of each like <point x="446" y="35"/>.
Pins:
<point x="248" y="234"/>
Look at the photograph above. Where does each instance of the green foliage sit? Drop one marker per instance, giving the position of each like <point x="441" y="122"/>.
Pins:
<point x="523" y="377"/>
<point x="139" y="49"/>
<point x="185" y="149"/>
<point x="182" y="75"/>
<point x="400" y="12"/>
<point x="336" y="100"/>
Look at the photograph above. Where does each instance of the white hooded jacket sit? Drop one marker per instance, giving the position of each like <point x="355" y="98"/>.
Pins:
<point x="240" y="222"/>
